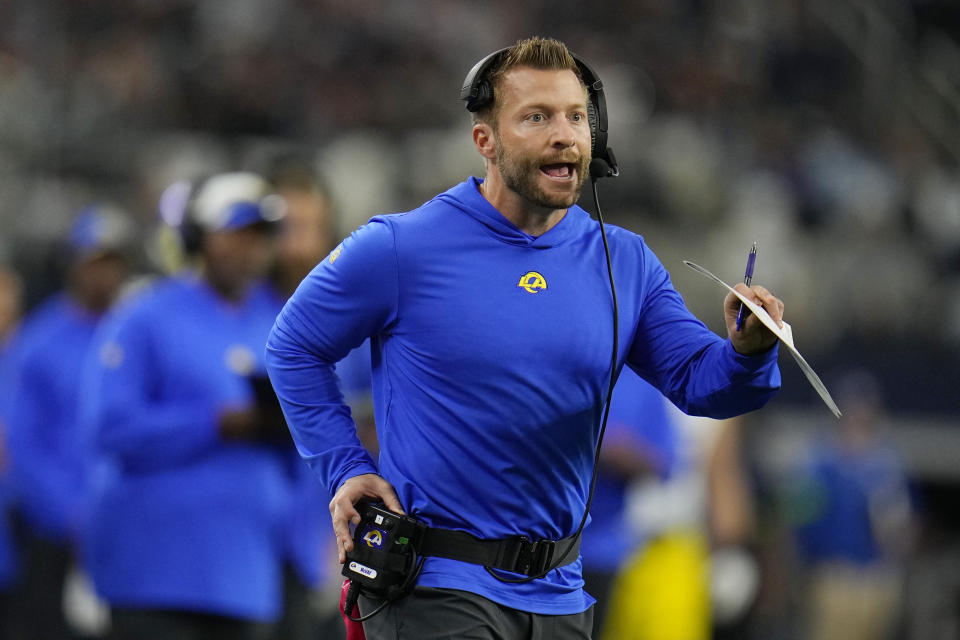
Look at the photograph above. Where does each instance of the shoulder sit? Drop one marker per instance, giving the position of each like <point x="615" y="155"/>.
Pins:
<point x="43" y="325"/>
<point x="434" y="214"/>
<point x="156" y="300"/>
<point x="264" y="296"/>
<point x="380" y="237"/>
<point x="628" y="249"/>
<point x="46" y="314"/>
<point x="624" y="238"/>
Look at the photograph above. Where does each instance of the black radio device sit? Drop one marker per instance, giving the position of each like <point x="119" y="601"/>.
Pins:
<point x="385" y="560"/>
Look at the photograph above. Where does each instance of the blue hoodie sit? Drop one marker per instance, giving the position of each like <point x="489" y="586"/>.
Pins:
<point x="491" y="359"/>
<point x="48" y="460"/>
<point x="179" y="518"/>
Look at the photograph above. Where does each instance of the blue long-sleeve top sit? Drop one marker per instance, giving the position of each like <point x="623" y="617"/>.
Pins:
<point x="48" y="459"/>
<point x="178" y="517"/>
<point x="491" y="358"/>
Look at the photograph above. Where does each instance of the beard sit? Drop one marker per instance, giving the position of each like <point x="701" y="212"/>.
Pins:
<point x="521" y="173"/>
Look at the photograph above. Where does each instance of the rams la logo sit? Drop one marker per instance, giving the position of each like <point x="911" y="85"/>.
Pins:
<point x="373" y="538"/>
<point x="532" y="282"/>
<point x="336" y="253"/>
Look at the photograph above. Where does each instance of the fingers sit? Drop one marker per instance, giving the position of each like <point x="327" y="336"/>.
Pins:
<point x="390" y="499"/>
<point x="752" y="337"/>
<point x="343" y="511"/>
<point x="773" y="305"/>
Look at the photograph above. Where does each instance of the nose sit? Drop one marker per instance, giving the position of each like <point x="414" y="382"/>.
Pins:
<point x="563" y="135"/>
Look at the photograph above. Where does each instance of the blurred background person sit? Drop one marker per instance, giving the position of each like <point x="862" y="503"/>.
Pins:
<point x="854" y="521"/>
<point x="690" y="575"/>
<point x="731" y="526"/>
<point x="190" y="491"/>
<point x="47" y="456"/>
<point x="311" y="588"/>
<point x="11" y="302"/>
<point x="640" y="443"/>
<point x="309" y="229"/>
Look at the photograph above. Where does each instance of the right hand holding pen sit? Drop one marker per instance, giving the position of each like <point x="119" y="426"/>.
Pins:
<point x="342" y="511"/>
<point x="753" y="338"/>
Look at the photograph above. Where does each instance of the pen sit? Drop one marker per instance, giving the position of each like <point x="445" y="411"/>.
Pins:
<point x="747" y="278"/>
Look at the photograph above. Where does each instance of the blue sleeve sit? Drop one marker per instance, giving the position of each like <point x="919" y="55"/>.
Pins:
<point x="34" y="419"/>
<point x="697" y="370"/>
<point x="350" y="295"/>
<point x="122" y="408"/>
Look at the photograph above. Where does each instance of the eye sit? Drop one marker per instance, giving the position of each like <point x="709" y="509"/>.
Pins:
<point x="536" y="117"/>
<point x="577" y="117"/>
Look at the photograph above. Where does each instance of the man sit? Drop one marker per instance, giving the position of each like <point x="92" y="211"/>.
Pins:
<point x="308" y="232"/>
<point x="855" y="527"/>
<point x="48" y="459"/>
<point x="189" y="490"/>
<point x="489" y="313"/>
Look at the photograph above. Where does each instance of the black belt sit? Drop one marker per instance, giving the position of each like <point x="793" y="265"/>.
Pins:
<point x="517" y="555"/>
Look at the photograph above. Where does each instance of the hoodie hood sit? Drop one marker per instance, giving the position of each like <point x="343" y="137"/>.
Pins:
<point x="466" y="197"/>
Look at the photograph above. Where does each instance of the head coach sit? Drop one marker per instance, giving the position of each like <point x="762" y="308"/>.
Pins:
<point x="496" y="336"/>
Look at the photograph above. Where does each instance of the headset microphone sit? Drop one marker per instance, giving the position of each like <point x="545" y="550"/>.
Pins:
<point x="604" y="168"/>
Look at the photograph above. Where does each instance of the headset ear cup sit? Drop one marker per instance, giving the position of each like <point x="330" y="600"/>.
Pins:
<point x="191" y="235"/>
<point x="191" y="232"/>
<point x="592" y="122"/>
<point x="484" y="96"/>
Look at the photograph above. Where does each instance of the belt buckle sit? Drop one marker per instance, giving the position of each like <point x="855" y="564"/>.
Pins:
<point x="535" y="555"/>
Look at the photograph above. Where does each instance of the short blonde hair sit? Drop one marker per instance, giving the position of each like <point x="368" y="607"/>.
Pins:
<point x="536" y="52"/>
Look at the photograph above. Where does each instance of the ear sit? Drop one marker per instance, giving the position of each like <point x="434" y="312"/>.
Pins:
<point x="484" y="141"/>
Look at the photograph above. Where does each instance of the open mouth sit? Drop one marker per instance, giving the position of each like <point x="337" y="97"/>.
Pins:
<point x="559" y="170"/>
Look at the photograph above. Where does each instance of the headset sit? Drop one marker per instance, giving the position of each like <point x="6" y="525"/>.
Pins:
<point x="181" y="205"/>
<point x="477" y="93"/>
<point x="176" y="210"/>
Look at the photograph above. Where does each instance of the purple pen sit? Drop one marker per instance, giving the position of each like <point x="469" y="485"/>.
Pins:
<point x="747" y="278"/>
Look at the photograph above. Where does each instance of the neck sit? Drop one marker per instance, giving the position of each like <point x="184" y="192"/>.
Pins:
<point x="526" y="216"/>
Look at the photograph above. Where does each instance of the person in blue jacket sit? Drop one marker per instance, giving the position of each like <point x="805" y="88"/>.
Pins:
<point x="190" y="490"/>
<point x="489" y="314"/>
<point x="48" y="462"/>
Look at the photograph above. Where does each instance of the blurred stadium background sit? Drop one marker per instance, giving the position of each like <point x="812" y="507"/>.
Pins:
<point x="826" y="130"/>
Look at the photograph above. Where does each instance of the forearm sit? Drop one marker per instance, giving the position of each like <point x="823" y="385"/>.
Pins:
<point x="720" y="383"/>
<point x="318" y="417"/>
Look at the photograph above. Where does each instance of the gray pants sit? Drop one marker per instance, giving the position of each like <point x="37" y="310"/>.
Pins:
<point x="441" y="614"/>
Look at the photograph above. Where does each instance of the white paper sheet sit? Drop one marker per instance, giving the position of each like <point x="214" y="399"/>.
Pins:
<point x="784" y="333"/>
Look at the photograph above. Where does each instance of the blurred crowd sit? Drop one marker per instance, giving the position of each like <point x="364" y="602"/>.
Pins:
<point x="826" y="131"/>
